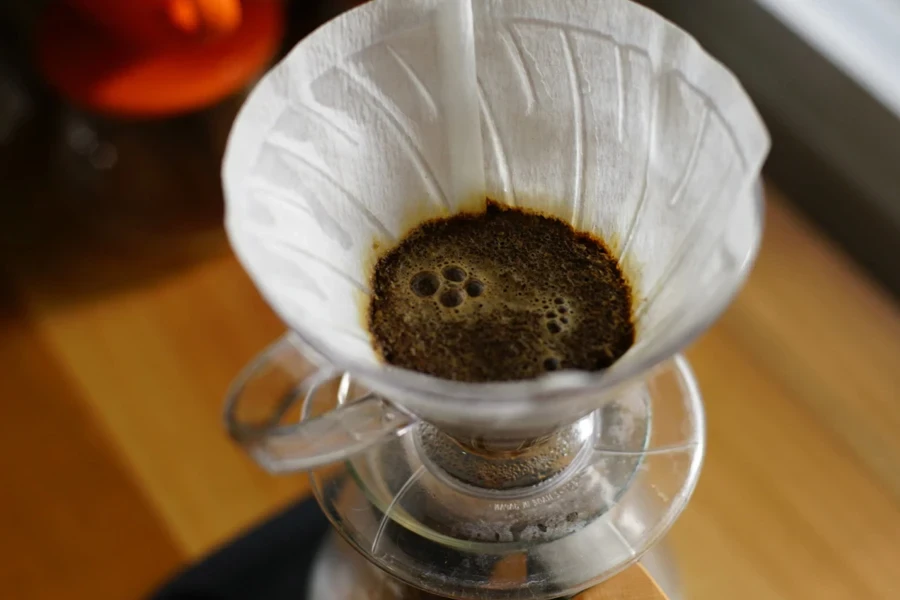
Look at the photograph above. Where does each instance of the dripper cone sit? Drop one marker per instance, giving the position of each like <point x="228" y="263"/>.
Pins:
<point x="600" y="113"/>
<point x="595" y="111"/>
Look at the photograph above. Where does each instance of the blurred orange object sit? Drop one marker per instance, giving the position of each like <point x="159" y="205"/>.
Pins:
<point x="155" y="57"/>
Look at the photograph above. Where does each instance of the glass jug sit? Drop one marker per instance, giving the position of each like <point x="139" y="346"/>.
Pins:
<point x="567" y="506"/>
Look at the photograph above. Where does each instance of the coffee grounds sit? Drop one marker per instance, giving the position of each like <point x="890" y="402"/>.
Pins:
<point x="502" y="295"/>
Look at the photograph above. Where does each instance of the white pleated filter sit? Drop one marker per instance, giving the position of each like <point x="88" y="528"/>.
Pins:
<point x="597" y="111"/>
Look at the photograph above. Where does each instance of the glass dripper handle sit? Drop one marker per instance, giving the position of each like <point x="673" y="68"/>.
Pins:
<point x="268" y="411"/>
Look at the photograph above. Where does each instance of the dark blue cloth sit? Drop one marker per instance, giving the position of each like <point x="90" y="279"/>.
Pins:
<point x="273" y="561"/>
<point x="270" y="562"/>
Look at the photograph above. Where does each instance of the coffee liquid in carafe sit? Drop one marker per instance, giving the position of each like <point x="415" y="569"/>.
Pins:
<point x="505" y="294"/>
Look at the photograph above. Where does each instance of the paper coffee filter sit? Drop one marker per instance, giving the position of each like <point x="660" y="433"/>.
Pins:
<point x="597" y="111"/>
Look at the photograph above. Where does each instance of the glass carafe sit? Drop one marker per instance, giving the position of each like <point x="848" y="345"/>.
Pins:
<point x="474" y="515"/>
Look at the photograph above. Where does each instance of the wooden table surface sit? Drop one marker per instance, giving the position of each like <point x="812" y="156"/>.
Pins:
<point x="124" y="317"/>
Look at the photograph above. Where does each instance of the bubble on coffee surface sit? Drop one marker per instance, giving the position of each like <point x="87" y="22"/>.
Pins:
<point x="474" y="288"/>
<point x="490" y="296"/>
<point x="452" y="298"/>
<point x="425" y="284"/>
<point x="454" y="274"/>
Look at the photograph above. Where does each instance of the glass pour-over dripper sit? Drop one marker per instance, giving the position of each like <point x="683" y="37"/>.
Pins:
<point x="600" y="113"/>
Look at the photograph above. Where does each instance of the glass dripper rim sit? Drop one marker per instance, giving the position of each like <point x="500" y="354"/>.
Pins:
<point x="489" y="398"/>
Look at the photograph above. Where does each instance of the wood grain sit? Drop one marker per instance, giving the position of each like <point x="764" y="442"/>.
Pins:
<point x="798" y="496"/>
<point x="829" y="337"/>
<point x="633" y="583"/>
<point x="74" y="522"/>
<point x="150" y="388"/>
<point x="116" y="468"/>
